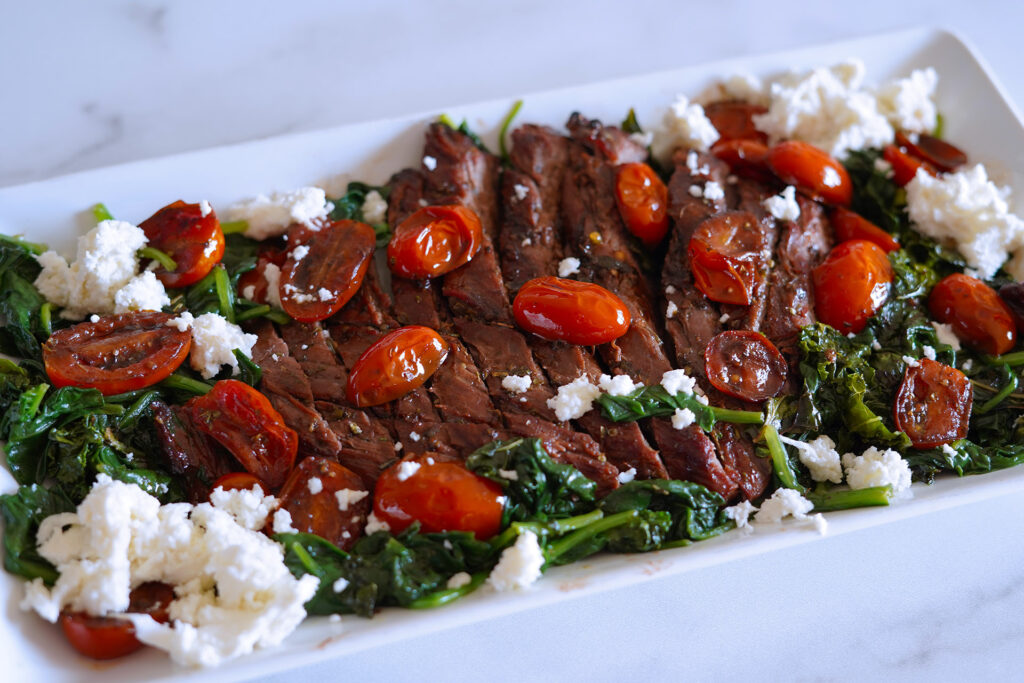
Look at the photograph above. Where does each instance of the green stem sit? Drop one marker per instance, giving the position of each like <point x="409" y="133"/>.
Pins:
<point x="276" y="316"/>
<point x="101" y="213"/>
<point x="223" y="285"/>
<point x="562" y="546"/>
<point x="845" y="499"/>
<point x="743" y="417"/>
<point x="779" y="459"/>
<point x="505" y="126"/>
<point x="231" y="227"/>
<point x="45" y="318"/>
<point x="254" y="312"/>
<point x="559" y="527"/>
<point x="183" y="383"/>
<point x="37" y="394"/>
<point x="160" y="257"/>
<point x="1010" y="379"/>
<point x="447" y="595"/>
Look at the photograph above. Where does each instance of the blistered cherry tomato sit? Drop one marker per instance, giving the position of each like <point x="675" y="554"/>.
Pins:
<point x="938" y="153"/>
<point x="117" y="354"/>
<point x="310" y="496"/>
<point x="904" y="166"/>
<point x="325" y="271"/>
<point x="643" y="202"/>
<point x="395" y="364"/>
<point x="746" y="158"/>
<point x="812" y="171"/>
<point x="722" y="252"/>
<point x="242" y="420"/>
<point x="238" y="481"/>
<point x="193" y="239"/>
<point x="441" y="496"/>
<point x="734" y="120"/>
<point x="933" y="405"/>
<point x="974" y="310"/>
<point x="571" y="311"/>
<point x="745" y="364"/>
<point x="433" y="241"/>
<point x="110" y="637"/>
<point x="852" y="226"/>
<point x="851" y="285"/>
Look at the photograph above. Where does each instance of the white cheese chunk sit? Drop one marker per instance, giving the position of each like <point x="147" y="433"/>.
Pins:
<point x="683" y="418"/>
<point x="516" y="384"/>
<point x="619" y="385"/>
<point x="783" y="205"/>
<point x="740" y="514"/>
<point x="270" y="216"/>
<point x="627" y="476"/>
<point x="677" y="381"/>
<point x="249" y="507"/>
<point x="458" y="580"/>
<point x="142" y="293"/>
<point x="946" y="335"/>
<point x="349" y="497"/>
<point x="820" y="457"/>
<point x="315" y="485"/>
<point x="789" y="503"/>
<point x="671" y="309"/>
<point x="908" y="103"/>
<point x="520" y="564"/>
<point x="406" y="469"/>
<point x="684" y="125"/>
<point x="375" y="208"/>
<point x="573" y="400"/>
<point x="878" y="468"/>
<point x="568" y="266"/>
<point x="282" y="522"/>
<point x="214" y="341"/>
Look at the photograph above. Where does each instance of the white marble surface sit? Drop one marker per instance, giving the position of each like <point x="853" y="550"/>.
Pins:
<point x="90" y="84"/>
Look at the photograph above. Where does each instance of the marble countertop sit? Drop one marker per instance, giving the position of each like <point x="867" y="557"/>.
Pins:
<point x="92" y="84"/>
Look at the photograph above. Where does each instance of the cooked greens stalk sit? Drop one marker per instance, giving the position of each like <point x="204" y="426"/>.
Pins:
<point x="780" y="460"/>
<point x="234" y="227"/>
<point x="655" y="401"/>
<point x="505" y="125"/>
<point x="826" y="499"/>
<point x="160" y="257"/>
<point x="1009" y="379"/>
<point x="188" y="385"/>
<point x="586" y="534"/>
<point x="100" y="213"/>
<point x="446" y="596"/>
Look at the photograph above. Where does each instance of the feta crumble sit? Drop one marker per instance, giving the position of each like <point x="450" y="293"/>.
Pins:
<point x="299" y="252"/>
<point x="520" y="191"/>
<point x="510" y="475"/>
<point x="878" y="468"/>
<point x="619" y="385"/>
<point x="269" y="216"/>
<point x="713" y="191"/>
<point x="945" y="334"/>
<point x="568" y="266"/>
<point x="819" y="456"/>
<point x="430" y="163"/>
<point x="783" y="205"/>
<point x="459" y="580"/>
<point x="375" y="208"/>
<point x="516" y="384"/>
<point x="315" y="485"/>
<point x="683" y="418"/>
<point x="671" y="309"/>
<point x="249" y="507"/>
<point x="373" y="525"/>
<point x="282" y="522"/>
<point x="520" y="564"/>
<point x="928" y="351"/>
<point x="142" y="293"/>
<point x="406" y="469"/>
<point x="574" y="399"/>
<point x="740" y="514"/>
<point x="349" y="497"/>
<point x="205" y="209"/>
<point x="676" y="381"/>
<point x="340" y="584"/>
<point x="684" y="125"/>
<point x="627" y="476"/>
<point x="272" y="276"/>
<point x="789" y="503"/>
<point x="214" y="341"/>
<point x="908" y="103"/>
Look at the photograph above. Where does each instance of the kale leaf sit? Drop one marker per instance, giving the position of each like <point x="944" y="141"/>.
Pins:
<point x="21" y="304"/>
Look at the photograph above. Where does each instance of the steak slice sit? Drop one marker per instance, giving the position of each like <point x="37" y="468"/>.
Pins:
<point x="189" y="453"/>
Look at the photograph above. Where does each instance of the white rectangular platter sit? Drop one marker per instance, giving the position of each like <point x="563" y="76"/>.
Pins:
<point x="978" y="118"/>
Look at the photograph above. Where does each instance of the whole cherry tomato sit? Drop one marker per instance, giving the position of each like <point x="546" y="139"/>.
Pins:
<point x="933" y="405"/>
<point x="189" y="236"/>
<point x="980" y="318"/>
<point x="852" y="226"/>
<point x="904" y="166"/>
<point x="745" y="364"/>
<point x="119" y="353"/>
<point x="571" y="311"/>
<point x="238" y="481"/>
<point x="325" y="271"/>
<point x="813" y="171"/>
<point x="851" y="285"/>
<point x="110" y="637"/>
<point x="722" y="252"/>
<point x="643" y="202"/>
<point x="395" y="364"/>
<point x="433" y="241"/>
<point x="936" y="152"/>
<point x="242" y="420"/>
<point x="441" y="496"/>
<point x="734" y="120"/>
<point x="310" y="496"/>
<point x="746" y="158"/>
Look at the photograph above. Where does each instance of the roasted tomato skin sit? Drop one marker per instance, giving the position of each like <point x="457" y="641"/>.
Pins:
<point x="110" y="637"/>
<point x="433" y="241"/>
<point x="569" y="310"/>
<point x="395" y="364"/>
<point x="852" y="226"/>
<point x="938" y="153"/>
<point x="904" y="166"/>
<point x="441" y="496"/>
<point x="723" y="251"/>
<point x="933" y="405"/>
<point x="269" y="255"/>
<point x="238" y="481"/>
<point x="812" y="171"/>
<point x="335" y="261"/>
<point x="980" y="318"/>
<point x="851" y="285"/>
<point x="242" y="420"/>
<point x="195" y="241"/>
<point x="734" y="120"/>
<point x="642" y="198"/>
<point x="746" y="158"/>
<point x="309" y="496"/>
<point x="745" y="364"/>
<point x="118" y="353"/>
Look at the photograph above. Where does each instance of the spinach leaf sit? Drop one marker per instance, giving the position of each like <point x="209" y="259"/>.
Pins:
<point x="965" y="457"/>
<point x="350" y="206"/>
<point x="655" y="401"/>
<point x="694" y="509"/>
<point x="217" y="292"/>
<point x="22" y="512"/>
<point x="20" y="302"/>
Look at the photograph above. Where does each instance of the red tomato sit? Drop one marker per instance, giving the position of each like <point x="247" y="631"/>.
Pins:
<point x="722" y="252"/>
<point x="333" y="263"/>
<point x="119" y="353"/>
<point x="734" y="120"/>
<point x="433" y="241"/>
<point x="571" y="311"/>
<point x="309" y="495"/>
<point x="745" y="364"/>
<point x="979" y="317"/>
<point x="852" y="226"/>
<point x="110" y="637"/>
<point x="936" y="152"/>
<point x="193" y="240"/>
<point x="933" y="405"/>
<point x="643" y="202"/>
<point x="441" y="496"/>
<point x="238" y="481"/>
<point x="242" y="420"/>
<point x="395" y="364"/>
<point x="851" y="285"/>
<point x="746" y="158"/>
<point x="904" y="166"/>
<point x="813" y="171"/>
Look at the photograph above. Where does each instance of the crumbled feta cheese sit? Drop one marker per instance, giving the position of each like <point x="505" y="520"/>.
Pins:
<point x="670" y="290"/>
<point x="299" y="252"/>
<point x="511" y="475"/>
<point x="270" y="216"/>
<point x="740" y="514"/>
<point x="783" y="205"/>
<point x="214" y="341"/>
<point x="619" y="385"/>
<point x="684" y="125"/>
<point x="908" y="103"/>
<point x="249" y="507"/>
<point x="373" y="525"/>
<point x="520" y="564"/>
<point x="911" y="361"/>
<point x="746" y="87"/>
<point x="789" y="503"/>
<point x="945" y="334"/>
<point x="820" y="457"/>
<point x="142" y="293"/>
<point x="724" y="318"/>
<point x="272" y="275"/>
<point x="204" y="208"/>
<point x="406" y="469"/>
<point x="830" y="178"/>
<point x="644" y="139"/>
<point x="282" y="522"/>
<point x="568" y="266"/>
<point x="375" y="208"/>
<point x="414" y="436"/>
<point x="325" y="294"/>
<point x="928" y="351"/>
<point x="315" y="485"/>
<point x="696" y="191"/>
<point x="713" y="191"/>
<point x="574" y="399"/>
<point x="526" y="242"/>
<point x="875" y="345"/>
<point x="459" y="580"/>
<point x="349" y="497"/>
<point x="94" y="318"/>
<point x="683" y="418"/>
<point x="968" y="209"/>
<point x="340" y="584"/>
<point x="693" y="163"/>
<point x="949" y="450"/>
<point x="676" y="381"/>
<point x="520" y="191"/>
<point x="627" y="476"/>
<point x="516" y="384"/>
<point x="883" y="167"/>
<point x="967" y="365"/>
<point x="430" y="163"/>
<point x="671" y="309"/>
<point x="878" y="468"/>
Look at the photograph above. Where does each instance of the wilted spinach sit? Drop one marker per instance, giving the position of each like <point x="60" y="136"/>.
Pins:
<point x="350" y="206"/>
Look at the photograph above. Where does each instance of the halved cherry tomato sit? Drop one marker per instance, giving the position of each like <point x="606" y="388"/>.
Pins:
<point x="433" y="241"/>
<point x="395" y="364"/>
<point x="814" y="172"/>
<point x="238" y="481"/>
<point x="153" y="598"/>
<point x="933" y="405"/>
<point x="904" y="166"/>
<point x="569" y="310"/>
<point x="119" y="353"/>
<point x="110" y="637"/>
<point x="242" y="420"/>
<point x="852" y="226"/>
<point x="257" y="278"/>
<point x="746" y="158"/>
<point x="441" y="496"/>
<point x="309" y="495"/>
<point x="745" y="364"/>
<point x="938" y="153"/>
<point x="643" y="202"/>
<point x="975" y="312"/>
<point x="192" y="239"/>
<point x="333" y="263"/>
<point x="722" y="252"/>
<point x="851" y="285"/>
<point x="734" y="120"/>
